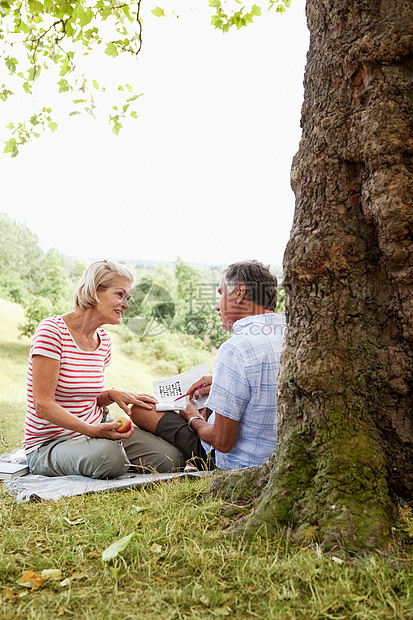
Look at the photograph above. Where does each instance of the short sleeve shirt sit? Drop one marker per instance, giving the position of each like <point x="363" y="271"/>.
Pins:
<point x="244" y="388"/>
<point x="81" y="379"/>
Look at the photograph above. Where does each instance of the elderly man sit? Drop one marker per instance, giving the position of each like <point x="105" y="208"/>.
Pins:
<point x="241" y="430"/>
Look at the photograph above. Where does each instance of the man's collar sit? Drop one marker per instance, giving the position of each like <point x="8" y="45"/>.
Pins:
<point x="268" y="317"/>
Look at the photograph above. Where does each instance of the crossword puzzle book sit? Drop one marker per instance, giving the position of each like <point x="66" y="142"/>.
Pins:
<point x="167" y="390"/>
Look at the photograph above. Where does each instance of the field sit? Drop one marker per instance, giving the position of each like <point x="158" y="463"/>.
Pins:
<point x="180" y="562"/>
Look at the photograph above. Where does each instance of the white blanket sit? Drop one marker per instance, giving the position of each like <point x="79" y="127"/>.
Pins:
<point x="32" y="486"/>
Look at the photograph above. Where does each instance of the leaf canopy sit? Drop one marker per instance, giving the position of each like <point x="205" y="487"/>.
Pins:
<point x="36" y="37"/>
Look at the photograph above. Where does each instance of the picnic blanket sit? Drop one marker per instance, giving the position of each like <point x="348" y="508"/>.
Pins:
<point x="34" y="487"/>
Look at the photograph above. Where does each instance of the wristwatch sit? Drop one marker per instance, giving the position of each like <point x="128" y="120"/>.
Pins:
<point x="194" y="417"/>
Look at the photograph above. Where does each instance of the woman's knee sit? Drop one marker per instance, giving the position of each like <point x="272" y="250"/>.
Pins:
<point x="168" y="459"/>
<point x="108" y="460"/>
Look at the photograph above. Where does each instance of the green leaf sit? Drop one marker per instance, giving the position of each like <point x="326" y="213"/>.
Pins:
<point x="216" y="21"/>
<point x="111" y="50"/>
<point x="74" y="113"/>
<point x="26" y="87"/>
<point x="84" y="17"/>
<point x="114" y="549"/>
<point x="11" y="64"/>
<point x="65" y="67"/>
<point x="158" y="12"/>
<point x="117" y="126"/>
<point x="255" y="11"/>
<point x="35" y="7"/>
<point x="95" y="84"/>
<point x="91" y="32"/>
<point x="134" y="97"/>
<point x="105" y="13"/>
<point x="64" y="86"/>
<point x="5" y="93"/>
<point x="126" y="12"/>
<point x="134" y="114"/>
<point x="53" y="126"/>
<point x="22" y="28"/>
<point x="11" y="147"/>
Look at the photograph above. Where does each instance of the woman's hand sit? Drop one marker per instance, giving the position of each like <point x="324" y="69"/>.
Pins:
<point x="123" y="399"/>
<point x="200" y="387"/>
<point x="108" y="430"/>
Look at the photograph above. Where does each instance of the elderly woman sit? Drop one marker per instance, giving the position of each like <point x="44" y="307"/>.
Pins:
<point x="67" y="431"/>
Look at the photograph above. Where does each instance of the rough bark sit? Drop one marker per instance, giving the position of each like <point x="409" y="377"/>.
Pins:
<point x="345" y="444"/>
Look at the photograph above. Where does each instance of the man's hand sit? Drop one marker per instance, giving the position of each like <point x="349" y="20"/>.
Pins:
<point x="200" y="387"/>
<point x="189" y="412"/>
<point x="222" y="435"/>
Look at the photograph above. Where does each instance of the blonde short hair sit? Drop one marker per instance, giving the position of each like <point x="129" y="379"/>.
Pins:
<point x="100" y="274"/>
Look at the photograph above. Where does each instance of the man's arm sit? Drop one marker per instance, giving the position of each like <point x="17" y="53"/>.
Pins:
<point x="222" y="435"/>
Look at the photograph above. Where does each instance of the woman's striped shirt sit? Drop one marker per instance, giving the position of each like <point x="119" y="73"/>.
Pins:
<point x="79" y="384"/>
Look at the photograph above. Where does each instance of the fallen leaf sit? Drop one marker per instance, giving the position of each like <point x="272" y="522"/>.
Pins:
<point x="155" y="548"/>
<point x="337" y="560"/>
<point x="64" y="610"/>
<point x="113" y="550"/>
<point x="11" y="596"/>
<point x="32" y="580"/>
<point x="65" y="582"/>
<point x="221" y="611"/>
<point x="52" y="573"/>
<point x="78" y="576"/>
<point x="73" y="522"/>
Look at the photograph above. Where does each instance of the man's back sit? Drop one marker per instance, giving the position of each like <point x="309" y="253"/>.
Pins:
<point x="244" y="387"/>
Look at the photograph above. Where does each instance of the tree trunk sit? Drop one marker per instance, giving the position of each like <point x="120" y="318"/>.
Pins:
<point x="345" y="444"/>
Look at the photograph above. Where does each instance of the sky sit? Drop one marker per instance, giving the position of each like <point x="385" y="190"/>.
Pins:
<point x="203" y="173"/>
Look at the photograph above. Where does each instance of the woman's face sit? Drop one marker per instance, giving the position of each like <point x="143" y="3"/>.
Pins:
<point x="113" y="301"/>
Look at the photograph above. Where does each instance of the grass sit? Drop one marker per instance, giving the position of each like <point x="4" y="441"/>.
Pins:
<point x="181" y="564"/>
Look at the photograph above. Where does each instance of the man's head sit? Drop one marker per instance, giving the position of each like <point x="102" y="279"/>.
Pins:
<point x="247" y="288"/>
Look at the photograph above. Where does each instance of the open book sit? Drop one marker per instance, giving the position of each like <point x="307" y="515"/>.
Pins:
<point x="166" y="391"/>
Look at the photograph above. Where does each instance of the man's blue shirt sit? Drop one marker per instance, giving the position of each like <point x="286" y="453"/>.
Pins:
<point x="244" y="388"/>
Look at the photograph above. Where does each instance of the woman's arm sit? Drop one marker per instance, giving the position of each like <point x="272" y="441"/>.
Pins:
<point x="45" y="372"/>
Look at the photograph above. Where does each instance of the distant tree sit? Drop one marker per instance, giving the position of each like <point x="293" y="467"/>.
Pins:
<point x="54" y="295"/>
<point x="20" y="259"/>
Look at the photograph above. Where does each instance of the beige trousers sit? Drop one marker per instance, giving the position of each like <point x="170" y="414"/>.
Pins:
<point x="105" y="458"/>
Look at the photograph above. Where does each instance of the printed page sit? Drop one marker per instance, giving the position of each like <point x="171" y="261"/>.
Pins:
<point x="167" y="390"/>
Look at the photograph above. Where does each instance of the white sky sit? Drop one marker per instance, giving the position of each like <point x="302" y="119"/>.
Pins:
<point x="203" y="173"/>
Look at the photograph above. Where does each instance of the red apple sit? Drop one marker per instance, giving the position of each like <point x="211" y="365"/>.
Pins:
<point x="125" y="421"/>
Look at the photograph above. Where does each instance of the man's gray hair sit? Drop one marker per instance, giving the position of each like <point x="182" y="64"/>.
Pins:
<point x="259" y="280"/>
